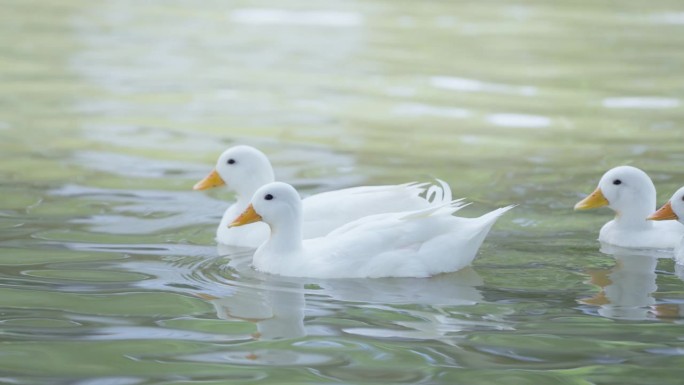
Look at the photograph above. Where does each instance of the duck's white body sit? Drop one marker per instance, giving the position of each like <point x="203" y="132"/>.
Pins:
<point x="631" y="194"/>
<point x="327" y="211"/>
<point x="417" y="243"/>
<point x="657" y="235"/>
<point x="250" y="169"/>
<point x="673" y="209"/>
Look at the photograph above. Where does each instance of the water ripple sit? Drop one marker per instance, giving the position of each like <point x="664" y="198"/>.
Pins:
<point x="319" y="18"/>
<point x="419" y="110"/>
<point x="268" y="357"/>
<point x="519" y="120"/>
<point x="641" y="102"/>
<point x="474" y="85"/>
<point x="676" y="18"/>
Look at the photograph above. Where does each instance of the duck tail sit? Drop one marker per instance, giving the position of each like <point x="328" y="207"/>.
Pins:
<point x="498" y="212"/>
<point x="491" y="217"/>
<point x="438" y="194"/>
<point x="446" y="208"/>
<point x="416" y="188"/>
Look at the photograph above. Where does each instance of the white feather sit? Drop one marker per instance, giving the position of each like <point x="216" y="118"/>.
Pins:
<point x="417" y="243"/>
<point x="677" y="204"/>
<point x="323" y="212"/>
<point x="633" y="199"/>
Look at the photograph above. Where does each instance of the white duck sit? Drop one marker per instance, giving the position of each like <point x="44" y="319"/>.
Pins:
<point x="673" y="209"/>
<point x="631" y="194"/>
<point x="243" y="169"/>
<point x="417" y="243"/>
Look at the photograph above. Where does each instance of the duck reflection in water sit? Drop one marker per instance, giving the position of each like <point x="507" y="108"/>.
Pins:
<point x="277" y="312"/>
<point x="278" y="305"/>
<point x="627" y="288"/>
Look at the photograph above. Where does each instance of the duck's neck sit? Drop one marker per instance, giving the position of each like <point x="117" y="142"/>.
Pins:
<point x="634" y="215"/>
<point x="286" y="238"/>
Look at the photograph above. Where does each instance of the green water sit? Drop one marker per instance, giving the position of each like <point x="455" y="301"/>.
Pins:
<point x="111" y="110"/>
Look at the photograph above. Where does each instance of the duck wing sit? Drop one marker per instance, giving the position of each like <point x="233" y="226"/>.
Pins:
<point x="327" y="211"/>
<point x="410" y="244"/>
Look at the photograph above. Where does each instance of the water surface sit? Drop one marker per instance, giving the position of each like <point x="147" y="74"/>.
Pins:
<point x="110" y="111"/>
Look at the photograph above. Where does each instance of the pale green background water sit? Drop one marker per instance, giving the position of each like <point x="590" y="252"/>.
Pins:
<point x="111" y="110"/>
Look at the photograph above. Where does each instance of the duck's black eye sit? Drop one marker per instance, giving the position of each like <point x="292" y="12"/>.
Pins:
<point x="268" y="197"/>
<point x="683" y="198"/>
<point x="231" y="161"/>
<point x="617" y="182"/>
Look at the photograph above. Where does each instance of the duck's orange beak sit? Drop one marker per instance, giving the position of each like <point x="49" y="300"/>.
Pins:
<point x="247" y="216"/>
<point x="210" y="181"/>
<point x="664" y="213"/>
<point x="593" y="201"/>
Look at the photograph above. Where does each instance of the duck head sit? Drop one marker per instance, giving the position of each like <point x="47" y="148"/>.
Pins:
<point x="673" y="209"/>
<point x="626" y="190"/>
<point x="242" y="169"/>
<point x="277" y="204"/>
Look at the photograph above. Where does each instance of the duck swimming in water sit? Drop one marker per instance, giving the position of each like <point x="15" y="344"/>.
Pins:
<point x="631" y="194"/>
<point x="673" y="210"/>
<point x="418" y="243"/>
<point x="243" y="169"/>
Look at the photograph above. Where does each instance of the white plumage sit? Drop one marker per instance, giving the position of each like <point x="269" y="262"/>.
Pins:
<point x="674" y="209"/>
<point x="243" y="169"/>
<point x="631" y="194"/>
<point x="417" y="243"/>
